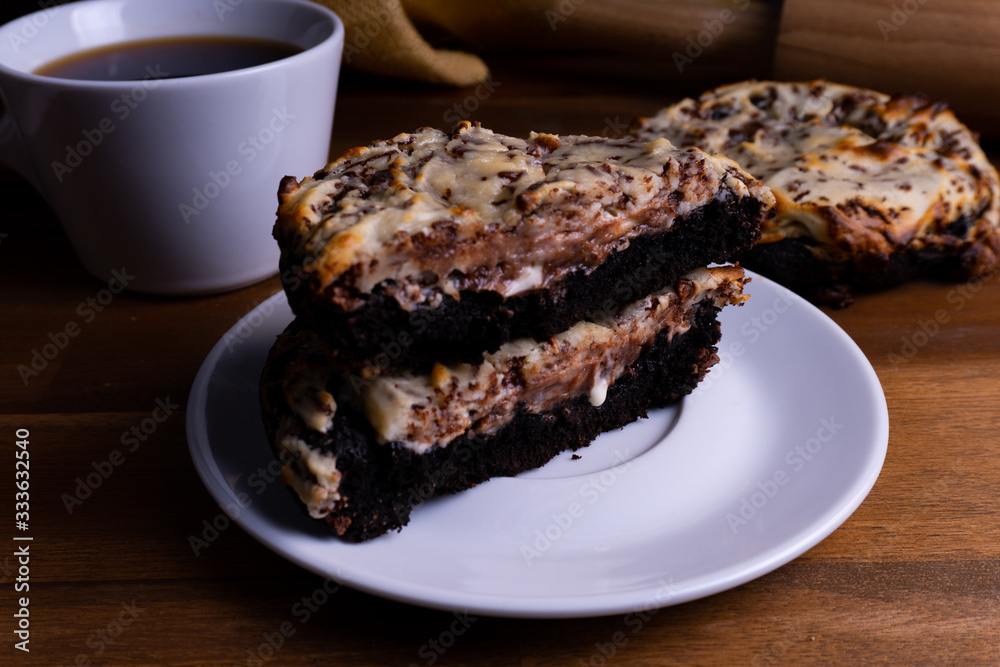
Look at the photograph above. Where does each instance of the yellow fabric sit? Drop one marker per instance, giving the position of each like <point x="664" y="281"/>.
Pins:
<point x="382" y="38"/>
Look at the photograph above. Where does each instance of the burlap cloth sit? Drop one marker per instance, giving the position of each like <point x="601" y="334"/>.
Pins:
<point x="382" y="36"/>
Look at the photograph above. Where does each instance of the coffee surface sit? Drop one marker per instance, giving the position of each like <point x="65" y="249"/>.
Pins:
<point x="172" y="58"/>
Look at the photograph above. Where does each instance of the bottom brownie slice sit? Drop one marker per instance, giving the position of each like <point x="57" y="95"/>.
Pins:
<point x="362" y="452"/>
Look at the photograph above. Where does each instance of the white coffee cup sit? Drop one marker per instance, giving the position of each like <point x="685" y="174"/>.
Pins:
<point x="173" y="179"/>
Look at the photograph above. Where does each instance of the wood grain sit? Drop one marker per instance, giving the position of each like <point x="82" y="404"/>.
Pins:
<point x="913" y="577"/>
<point x="947" y="49"/>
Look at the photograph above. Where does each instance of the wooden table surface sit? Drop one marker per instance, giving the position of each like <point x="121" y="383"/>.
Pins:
<point x="912" y="577"/>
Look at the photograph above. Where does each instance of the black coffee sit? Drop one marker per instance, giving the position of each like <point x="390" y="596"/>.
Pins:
<point x="171" y="58"/>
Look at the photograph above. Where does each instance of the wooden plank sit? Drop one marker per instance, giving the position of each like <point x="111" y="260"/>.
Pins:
<point x="947" y="49"/>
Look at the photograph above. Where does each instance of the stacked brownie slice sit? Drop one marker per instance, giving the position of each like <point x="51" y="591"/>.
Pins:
<point x="468" y="305"/>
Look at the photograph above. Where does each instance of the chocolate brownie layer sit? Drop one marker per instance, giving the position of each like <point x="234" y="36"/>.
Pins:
<point x="354" y="446"/>
<point x="385" y="335"/>
<point x="432" y="245"/>
<point x="871" y="189"/>
<point x="794" y="263"/>
<point x="380" y="485"/>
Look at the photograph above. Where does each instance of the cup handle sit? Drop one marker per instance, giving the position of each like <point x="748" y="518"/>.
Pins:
<point x="12" y="151"/>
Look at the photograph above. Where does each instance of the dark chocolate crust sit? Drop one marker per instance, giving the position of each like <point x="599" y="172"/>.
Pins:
<point x="382" y="484"/>
<point x="389" y="337"/>
<point x="793" y="263"/>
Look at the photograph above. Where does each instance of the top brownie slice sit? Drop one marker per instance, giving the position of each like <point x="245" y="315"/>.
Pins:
<point x="434" y="246"/>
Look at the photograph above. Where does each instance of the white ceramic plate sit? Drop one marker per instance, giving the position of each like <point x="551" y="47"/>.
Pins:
<point x="776" y="448"/>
